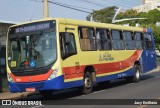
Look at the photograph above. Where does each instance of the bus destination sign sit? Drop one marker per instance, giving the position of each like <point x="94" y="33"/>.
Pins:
<point x="35" y="27"/>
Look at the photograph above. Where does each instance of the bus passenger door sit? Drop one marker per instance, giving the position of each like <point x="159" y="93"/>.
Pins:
<point x="70" y="58"/>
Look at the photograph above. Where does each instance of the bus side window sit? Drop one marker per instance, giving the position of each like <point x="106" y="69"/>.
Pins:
<point x="103" y="39"/>
<point x="138" y="40"/>
<point x="67" y="45"/>
<point x="87" y="39"/>
<point x="129" y="40"/>
<point x="148" y="41"/>
<point x="117" y="40"/>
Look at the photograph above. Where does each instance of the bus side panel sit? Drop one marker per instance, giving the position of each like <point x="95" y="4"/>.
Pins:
<point x="105" y="70"/>
<point x="126" y="73"/>
<point x="149" y="58"/>
<point x="122" y="74"/>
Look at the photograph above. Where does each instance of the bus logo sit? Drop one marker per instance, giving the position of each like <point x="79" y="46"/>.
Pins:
<point x="105" y="57"/>
<point x="6" y="102"/>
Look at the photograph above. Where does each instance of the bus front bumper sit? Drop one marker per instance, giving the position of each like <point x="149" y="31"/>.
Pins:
<point x="54" y="84"/>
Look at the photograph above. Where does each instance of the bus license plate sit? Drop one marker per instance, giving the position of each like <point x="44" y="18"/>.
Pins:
<point x="30" y="89"/>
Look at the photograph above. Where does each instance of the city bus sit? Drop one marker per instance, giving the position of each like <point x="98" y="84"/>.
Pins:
<point x="56" y="54"/>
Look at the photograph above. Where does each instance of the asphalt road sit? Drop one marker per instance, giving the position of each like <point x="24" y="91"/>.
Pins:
<point x="147" y="88"/>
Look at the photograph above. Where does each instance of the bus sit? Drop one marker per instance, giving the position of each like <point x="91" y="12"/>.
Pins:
<point x="55" y="54"/>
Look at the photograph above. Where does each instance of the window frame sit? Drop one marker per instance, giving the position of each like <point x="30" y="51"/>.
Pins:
<point x="142" y="40"/>
<point x="108" y="38"/>
<point x="150" y="42"/>
<point x="65" y="54"/>
<point x="132" y="39"/>
<point x="80" y="35"/>
<point x="121" y="36"/>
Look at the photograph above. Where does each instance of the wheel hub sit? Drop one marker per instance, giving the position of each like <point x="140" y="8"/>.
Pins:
<point x="137" y="74"/>
<point x="87" y="82"/>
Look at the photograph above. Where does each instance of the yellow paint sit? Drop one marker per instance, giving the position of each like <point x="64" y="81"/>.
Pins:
<point x="73" y="79"/>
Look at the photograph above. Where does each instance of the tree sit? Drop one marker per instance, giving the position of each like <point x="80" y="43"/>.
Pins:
<point x="104" y="15"/>
<point x="156" y="33"/>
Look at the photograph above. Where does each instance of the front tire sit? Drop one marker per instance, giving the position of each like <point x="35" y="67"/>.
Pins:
<point x="88" y="83"/>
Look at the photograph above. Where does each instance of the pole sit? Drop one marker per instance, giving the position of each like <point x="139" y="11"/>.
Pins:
<point x="117" y="12"/>
<point x="45" y="9"/>
<point x="91" y="17"/>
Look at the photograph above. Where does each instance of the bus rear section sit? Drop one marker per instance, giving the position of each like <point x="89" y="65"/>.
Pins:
<point x="149" y="53"/>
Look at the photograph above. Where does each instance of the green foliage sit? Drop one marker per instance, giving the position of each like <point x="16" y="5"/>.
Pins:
<point x="104" y="15"/>
<point x="156" y="33"/>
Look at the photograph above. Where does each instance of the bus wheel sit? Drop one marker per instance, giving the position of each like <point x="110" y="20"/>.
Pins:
<point x="137" y="74"/>
<point x="88" y="83"/>
<point x="46" y="93"/>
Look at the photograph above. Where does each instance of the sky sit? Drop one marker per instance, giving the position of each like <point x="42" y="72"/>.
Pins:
<point x="26" y="10"/>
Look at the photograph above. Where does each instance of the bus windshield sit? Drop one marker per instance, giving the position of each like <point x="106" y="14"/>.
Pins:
<point x="32" y="50"/>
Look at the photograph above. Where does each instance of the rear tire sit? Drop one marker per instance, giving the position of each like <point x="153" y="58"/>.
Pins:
<point x="137" y="74"/>
<point x="88" y="83"/>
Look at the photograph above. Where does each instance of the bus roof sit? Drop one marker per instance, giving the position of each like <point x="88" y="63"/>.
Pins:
<point x="99" y="25"/>
<point x="90" y="24"/>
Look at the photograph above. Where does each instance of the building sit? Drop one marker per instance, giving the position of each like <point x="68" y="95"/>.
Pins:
<point x="148" y="5"/>
<point x="146" y="1"/>
<point x="4" y="25"/>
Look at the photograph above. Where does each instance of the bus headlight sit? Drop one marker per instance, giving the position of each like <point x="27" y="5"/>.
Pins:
<point x="54" y="73"/>
<point x="10" y="79"/>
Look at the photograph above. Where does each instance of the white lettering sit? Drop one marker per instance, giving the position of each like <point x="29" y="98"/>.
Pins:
<point x="137" y="103"/>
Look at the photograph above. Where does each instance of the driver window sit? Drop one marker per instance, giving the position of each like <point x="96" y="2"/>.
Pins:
<point x="67" y="44"/>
